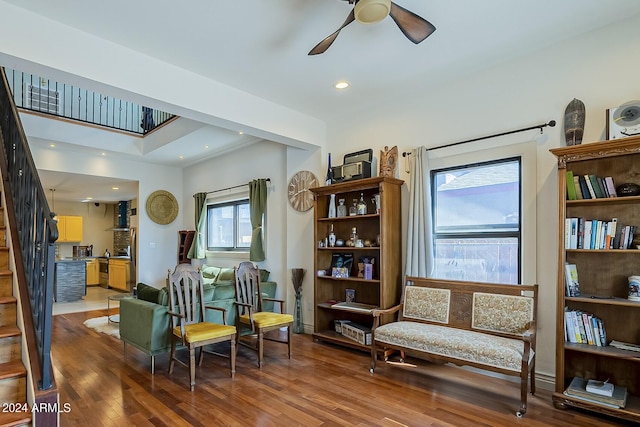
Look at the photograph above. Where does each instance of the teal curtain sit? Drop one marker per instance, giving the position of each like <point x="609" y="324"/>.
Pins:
<point x="257" y="205"/>
<point x="198" y="247"/>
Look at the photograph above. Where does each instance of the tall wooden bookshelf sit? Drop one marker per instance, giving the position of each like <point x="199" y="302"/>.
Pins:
<point x="383" y="290"/>
<point x="602" y="275"/>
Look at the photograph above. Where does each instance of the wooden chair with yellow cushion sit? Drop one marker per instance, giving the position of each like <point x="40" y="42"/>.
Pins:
<point x="252" y="323"/>
<point x="187" y="320"/>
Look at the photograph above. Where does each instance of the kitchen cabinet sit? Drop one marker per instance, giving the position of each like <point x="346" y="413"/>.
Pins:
<point x="69" y="228"/>
<point x="93" y="272"/>
<point x="119" y="274"/>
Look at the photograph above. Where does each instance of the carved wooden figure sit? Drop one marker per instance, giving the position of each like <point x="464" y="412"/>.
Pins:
<point x="388" y="161"/>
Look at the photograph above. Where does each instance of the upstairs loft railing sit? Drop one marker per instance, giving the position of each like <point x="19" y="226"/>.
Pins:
<point x="45" y="96"/>
<point x="32" y="235"/>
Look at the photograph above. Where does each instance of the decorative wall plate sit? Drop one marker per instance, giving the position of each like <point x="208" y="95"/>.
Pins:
<point x="162" y="207"/>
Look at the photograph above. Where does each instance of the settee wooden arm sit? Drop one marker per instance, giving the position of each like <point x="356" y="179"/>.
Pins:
<point x="379" y="312"/>
<point x="376" y="313"/>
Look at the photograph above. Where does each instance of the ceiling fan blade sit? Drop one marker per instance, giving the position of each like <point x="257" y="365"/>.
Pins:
<point x="412" y="26"/>
<point x="324" y="44"/>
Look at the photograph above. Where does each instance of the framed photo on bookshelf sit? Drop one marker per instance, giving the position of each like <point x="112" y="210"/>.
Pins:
<point x="342" y="260"/>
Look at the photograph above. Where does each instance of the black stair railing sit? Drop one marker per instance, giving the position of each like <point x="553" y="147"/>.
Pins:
<point x="33" y="234"/>
<point x="49" y="97"/>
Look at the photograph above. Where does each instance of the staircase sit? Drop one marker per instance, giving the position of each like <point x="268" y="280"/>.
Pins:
<point x="15" y="410"/>
<point x="28" y="392"/>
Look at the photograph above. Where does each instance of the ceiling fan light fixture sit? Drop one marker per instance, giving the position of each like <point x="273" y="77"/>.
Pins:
<point x="372" y="11"/>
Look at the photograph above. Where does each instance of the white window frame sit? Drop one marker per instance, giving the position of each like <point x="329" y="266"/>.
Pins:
<point x="459" y="156"/>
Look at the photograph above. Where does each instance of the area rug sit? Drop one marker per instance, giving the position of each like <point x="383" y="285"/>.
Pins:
<point x="102" y="324"/>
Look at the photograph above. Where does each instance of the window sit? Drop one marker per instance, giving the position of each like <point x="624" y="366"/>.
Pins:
<point x="477" y="221"/>
<point x="229" y="226"/>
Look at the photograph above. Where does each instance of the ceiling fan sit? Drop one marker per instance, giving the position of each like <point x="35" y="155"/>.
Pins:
<point x="412" y="26"/>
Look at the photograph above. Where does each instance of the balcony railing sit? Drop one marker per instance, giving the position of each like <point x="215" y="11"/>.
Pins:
<point x="45" y="96"/>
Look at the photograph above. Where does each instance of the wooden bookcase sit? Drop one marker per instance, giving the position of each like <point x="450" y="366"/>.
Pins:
<point x="185" y="239"/>
<point x="602" y="276"/>
<point x="383" y="290"/>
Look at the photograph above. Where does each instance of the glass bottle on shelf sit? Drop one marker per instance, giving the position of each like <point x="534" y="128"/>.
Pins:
<point x="354" y="236"/>
<point x="342" y="208"/>
<point x="353" y="210"/>
<point x="362" y="206"/>
<point x="332" y="207"/>
<point x="332" y="238"/>
<point x="329" y="178"/>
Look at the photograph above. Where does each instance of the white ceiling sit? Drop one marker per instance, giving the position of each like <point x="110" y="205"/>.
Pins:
<point x="260" y="47"/>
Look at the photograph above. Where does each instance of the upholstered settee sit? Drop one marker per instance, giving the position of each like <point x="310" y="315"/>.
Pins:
<point x="144" y="321"/>
<point x="487" y="326"/>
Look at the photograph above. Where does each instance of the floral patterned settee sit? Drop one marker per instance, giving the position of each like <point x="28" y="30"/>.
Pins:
<point x="487" y="326"/>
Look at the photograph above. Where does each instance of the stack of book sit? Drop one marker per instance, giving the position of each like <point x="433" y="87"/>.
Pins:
<point x="582" y="233"/>
<point x="600" y="392"/>
<point x="589" y="186"/>
<point x="584" y="328"/>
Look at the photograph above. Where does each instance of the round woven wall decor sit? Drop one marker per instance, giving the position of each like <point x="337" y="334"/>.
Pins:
<point x="162" y="207"/>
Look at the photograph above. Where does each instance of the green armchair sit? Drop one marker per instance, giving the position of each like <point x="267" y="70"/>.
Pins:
<point x="144" y="321"/>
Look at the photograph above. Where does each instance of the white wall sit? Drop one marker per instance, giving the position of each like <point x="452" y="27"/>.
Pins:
<point x="157" y="244"/>
<point x="597" y="68"/>
<point x="261" y="160"/>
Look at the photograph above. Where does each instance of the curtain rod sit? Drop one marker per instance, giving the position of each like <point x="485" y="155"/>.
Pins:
<point x="231" y="188"/>
<point x="552" y="123"/>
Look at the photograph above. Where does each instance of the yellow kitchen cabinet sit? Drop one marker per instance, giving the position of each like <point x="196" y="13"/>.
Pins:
<point x="119" y="274"/>
<point x="69" y="228"/>
<point x="93" y="272"/>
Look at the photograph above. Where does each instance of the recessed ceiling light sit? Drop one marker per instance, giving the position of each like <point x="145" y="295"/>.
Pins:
<point x="115" y="188"/>
<point x="342" y="84"/>
<point x="206" y="146"/>
<point x="181" y="157"/>
<point x="89" y="198"/>
<point x="240" y="132"/>
<point x="103" y="153"/>
<point x="52" y="145"/>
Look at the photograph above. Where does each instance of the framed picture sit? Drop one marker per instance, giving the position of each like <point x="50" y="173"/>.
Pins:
<point x="350" y="295"/>
<point x="341" y="260"/>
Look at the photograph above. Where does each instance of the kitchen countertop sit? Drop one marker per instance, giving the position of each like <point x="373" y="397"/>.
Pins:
<point x="89" y="258"/>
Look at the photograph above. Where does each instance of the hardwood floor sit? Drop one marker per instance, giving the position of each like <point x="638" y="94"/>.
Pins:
<point x="321" y="385"/>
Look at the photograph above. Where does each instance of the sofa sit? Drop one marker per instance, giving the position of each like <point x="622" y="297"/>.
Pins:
<point x="144" y="320"/>
<point x="487" y="326"/>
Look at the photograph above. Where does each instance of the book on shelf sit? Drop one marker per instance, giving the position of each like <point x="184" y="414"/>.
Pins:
<point x="578" y="189"/>
<point x="584" y="328"/>
<point x="625" y="345"/>
<point x="610" y="186"/>
<point x="584" y="233"/>
<point x="354" y="306"/>
<point x="590" y="186"/>
<point x="571" y="189"/>
<point x="584" y="188"/>
<point x="603" y="388"/>
<point x="578" y="389"/>
<point x="571" y="281"/>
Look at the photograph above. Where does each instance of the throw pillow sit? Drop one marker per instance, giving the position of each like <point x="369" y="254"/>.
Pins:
<point x="226" y="274"/>
<point x="148" y="293"/>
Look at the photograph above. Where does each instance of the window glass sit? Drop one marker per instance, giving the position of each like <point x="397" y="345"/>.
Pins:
<point x="228" y="225"/>
<point x="477" y="222"/>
